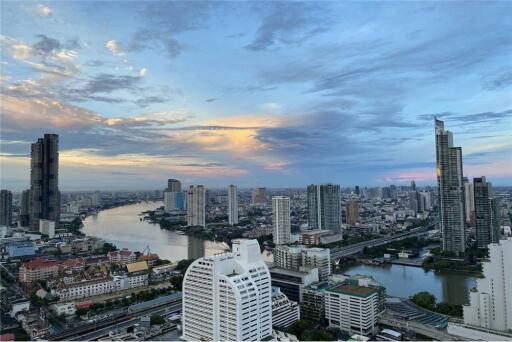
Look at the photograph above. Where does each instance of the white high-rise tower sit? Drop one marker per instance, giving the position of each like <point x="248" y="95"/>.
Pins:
<point x="232" y="205"/>
<point x="281" y="220"/>
<point x="195" y="206"/>
<point x="228" y="297"/>
<point x="491" y="303"/>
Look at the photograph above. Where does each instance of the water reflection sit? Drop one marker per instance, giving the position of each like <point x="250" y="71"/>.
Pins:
<point x="405" y="281"/>
<point x="122" y="226"/>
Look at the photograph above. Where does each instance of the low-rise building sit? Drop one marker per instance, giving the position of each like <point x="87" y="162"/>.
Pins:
<point x="19" y="305"/>
<point x="20" y="249"/>
<point x="352" y="308"/>
<point x="38" y="269"/>
<point x="295" y="257"/>
<point x="291" y="282"/>
<point x="47" y="227"/>
<point x="64" y="309"/>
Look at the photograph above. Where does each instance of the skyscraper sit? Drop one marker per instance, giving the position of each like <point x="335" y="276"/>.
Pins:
<point x="485" y="228"/>
<point x="44" y="180"/>
<point x="352" y="209"/>
<point x="228" y="297"/>
<point x="173" y="185"/>
<point x="490" y="305"/>
<point x="196" y="206"/>
<point x="469" y="202"/>
<point x="324" y="206"/>
<point x="451" y="191"/>
<point x="281" y="220"/>
<point x="232" y="205"/>
<point x="25" y="208"/>
<point x="5" y="208"/>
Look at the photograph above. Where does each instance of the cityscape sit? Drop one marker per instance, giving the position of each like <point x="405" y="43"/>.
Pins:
<point x="265" y="222"/>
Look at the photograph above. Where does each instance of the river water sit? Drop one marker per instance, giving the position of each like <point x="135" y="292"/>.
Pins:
<point x="404" y="281"/>
<point x="122" y="226"/>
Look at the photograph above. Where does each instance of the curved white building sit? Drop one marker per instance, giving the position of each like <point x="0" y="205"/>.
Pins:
<point x="228" y="297"/>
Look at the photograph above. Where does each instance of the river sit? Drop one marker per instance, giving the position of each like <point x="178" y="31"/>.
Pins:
<point x="122" y="226"/>
<point x="405" y="281"/>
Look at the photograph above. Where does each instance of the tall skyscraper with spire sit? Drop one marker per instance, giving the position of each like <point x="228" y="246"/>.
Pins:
<point x="44" y="180"/>
<point x="451" y="190"/>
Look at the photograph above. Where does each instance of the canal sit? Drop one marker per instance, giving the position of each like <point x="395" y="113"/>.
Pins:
<point x="122" y="226"/>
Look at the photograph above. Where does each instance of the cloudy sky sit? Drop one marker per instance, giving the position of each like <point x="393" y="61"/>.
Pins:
<point x="264" y="93"/>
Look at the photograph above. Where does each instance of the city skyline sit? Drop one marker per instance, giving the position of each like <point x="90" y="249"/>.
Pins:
<point x="339" y="94"/>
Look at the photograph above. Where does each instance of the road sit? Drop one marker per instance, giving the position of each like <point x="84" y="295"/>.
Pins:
<point x="340" y="252"/>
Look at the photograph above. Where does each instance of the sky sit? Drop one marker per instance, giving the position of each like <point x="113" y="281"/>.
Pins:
<point x="278" y="94"/>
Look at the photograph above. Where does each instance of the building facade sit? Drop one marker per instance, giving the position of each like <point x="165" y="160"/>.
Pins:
<point x="485" y="228"/>
<point x="469" y="203"/>
<point x="196" y="206"/>
<point x="174" y="200"/>
<point x="122" y="257"/>
<point x="259" y="196"/>
<point x="296" y="257"/>
<point x="451" y="190"/>
<point x="352" y="308"/>
<point x="228" y="297"/>
<point x="47" y="227"/>
<point x="173" y="185"/>
<point x="293" y="282"/>
<point x="20" y="249"/>
<point x="5" y="208"/>
<point x="38" y="269"/>
<point x="491" y="301"/>
<point x="324" y="206"/>
<point x="232" y="205"/>
<point x="352" y="209"/>
<point x="24" y="218"/>
<point x="44" y="180"/>
<point x="281" y="220"/>
<point x="284" y="311"/>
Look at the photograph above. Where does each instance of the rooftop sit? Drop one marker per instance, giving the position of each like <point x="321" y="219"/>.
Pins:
<point x="353" y="290"/>
<point x="37" y="263"/>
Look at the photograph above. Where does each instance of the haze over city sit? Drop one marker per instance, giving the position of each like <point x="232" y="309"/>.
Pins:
<point x="277" y="94"/>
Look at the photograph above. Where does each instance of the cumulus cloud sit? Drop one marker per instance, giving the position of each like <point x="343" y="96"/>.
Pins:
<point x="114" y="47"/>
<point x="43" y="10"/>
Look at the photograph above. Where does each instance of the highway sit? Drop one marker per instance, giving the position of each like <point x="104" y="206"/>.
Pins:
<point x="340" y="252"/>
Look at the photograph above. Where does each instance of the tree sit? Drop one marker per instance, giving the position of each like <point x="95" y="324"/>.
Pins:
<point x="425" y="300"/>
<point x="183" y="265"/>
<point x="299" y="327"/>
<point x="177" y="282"/>
<point x="156" y="320"/>
<point x="109" y="247"/>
